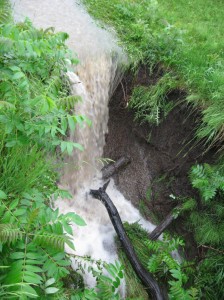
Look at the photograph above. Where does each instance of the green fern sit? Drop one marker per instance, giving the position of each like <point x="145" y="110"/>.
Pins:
<point x="150" y="103"/>
<point x="5" y="12"/>
<point x="162" y="263"/>
<point x="9" y="234"/>
<point x="47" y="239"/>
<point x="207" y="223"/>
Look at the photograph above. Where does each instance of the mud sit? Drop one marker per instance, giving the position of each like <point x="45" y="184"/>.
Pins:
<point x="161" y="156"/>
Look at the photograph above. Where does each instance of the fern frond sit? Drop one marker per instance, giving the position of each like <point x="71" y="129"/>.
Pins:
<point x="153" y="263"/>
<point x="153" y="245"/>
<point x="56" y="241"/>
<point x="10" y="234"/>
<point x="5" y="11"/>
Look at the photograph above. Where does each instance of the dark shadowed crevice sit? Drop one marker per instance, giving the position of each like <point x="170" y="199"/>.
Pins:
<point x="161" y="156"/>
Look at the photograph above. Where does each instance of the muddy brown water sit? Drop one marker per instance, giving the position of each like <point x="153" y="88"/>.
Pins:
<point x="156" y="165"/>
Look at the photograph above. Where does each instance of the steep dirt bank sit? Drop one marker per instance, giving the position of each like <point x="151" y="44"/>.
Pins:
<point x="160" y="156"/>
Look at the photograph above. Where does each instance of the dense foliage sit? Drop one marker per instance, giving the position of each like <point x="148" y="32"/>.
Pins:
<point x="161" y="258"/>
<point x="34" y="93"/>
<point x="35" y="116"/>
<point x="182" y="41"/>
<point x="207" y="222"/>
<point x="190" y="44"/>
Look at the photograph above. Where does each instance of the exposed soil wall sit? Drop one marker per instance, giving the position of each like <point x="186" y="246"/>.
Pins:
<point x="161" y="156"/>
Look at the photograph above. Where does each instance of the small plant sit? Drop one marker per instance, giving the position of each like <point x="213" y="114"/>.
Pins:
<point x="176" y="272"/>
<point x="150" y="103"/>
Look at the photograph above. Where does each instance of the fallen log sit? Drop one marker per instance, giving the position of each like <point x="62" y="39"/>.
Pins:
<point x="163" y="225"/>
<point x="111" y="169"/>
<point x="146" y="278"/>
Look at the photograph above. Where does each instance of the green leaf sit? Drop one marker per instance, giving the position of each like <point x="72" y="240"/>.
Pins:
<point x="32" y="279"/>
<point x="11" y="143"/>
<point x="176" y="274"/>
<point x="71" y="123"/>
<point x="75" y="219"/>
<point x="67" y="228"/>
<point x="51" y="290"/>
<point x="20" y="212"/>
<point x="17" y="255"/>
<point x="70" y="244"/>
<point x="33" y="255"/>
<point x="33" y="268"/>
<point x="49" y="282"/>
<point x="18" y="75"/>
<point x="2" y="195"/>
<point x="13" y="204"/>
<point x="63" y="146"/>
<point x="14" y="68"/>
<point x="69" y="148"/>
<point x="64" y="124"/>
<point x="116" y="283"/>
<point x="29" y="291"/>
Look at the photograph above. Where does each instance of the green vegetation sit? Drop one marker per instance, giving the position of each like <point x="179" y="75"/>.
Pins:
<point x="178" y="274"/>
<point x="157" y="257"/>
<point x="207" y="222"/>
<point x="150" y="103"/>
<point x="182" y="41"/>
<point x="183" y="37"/>
<point x="35" y="116"/>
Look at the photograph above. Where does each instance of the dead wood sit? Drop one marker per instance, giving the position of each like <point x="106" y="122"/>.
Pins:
<point x="113" y="168"/>
<point x="162" y="226"/>
<point x="147" y="279"/>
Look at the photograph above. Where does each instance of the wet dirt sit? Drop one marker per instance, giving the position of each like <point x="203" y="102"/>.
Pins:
<point x="161" y="156"/>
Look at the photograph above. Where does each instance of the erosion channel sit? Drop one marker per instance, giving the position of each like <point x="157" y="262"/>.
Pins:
<point x="160" y="156"/>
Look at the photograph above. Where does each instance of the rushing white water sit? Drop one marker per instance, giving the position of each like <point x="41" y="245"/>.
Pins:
<point x="94" y="79"/>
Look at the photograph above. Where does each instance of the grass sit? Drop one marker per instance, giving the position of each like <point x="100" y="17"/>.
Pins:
<point x="183" y="36"/>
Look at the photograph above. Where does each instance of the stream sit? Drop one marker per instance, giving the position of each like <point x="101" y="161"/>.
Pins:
<point x="94" y="79"/>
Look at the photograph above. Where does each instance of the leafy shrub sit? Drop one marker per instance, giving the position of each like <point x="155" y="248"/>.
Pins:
<point x="158" y="257"/>
<point x="33" y="88"/>
<point x="35" y="115"/>
<point x="175" y="272"/>
<point x="207" y="223"/>
<point x="210" y="183"/>
<point x="32" y="244"/>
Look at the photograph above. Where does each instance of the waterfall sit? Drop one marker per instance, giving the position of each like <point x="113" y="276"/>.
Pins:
<point x="94" y="80"/>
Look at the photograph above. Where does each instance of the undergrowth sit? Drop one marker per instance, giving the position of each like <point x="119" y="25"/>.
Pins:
<point x="172" y="273"/>
<point x="150" y="103"/>
<point x="36" y="113"/>
<point x="185" y="40"/>
<point x="207" y="223"/>
<point x="161" y="32"/>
